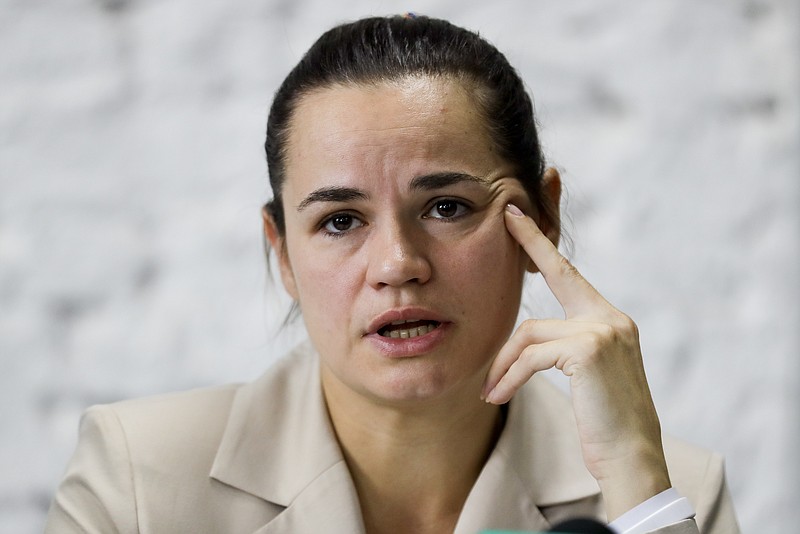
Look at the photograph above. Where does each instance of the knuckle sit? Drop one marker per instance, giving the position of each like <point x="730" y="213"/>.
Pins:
<point x="600" y="337"/>
<point x="527" y="357"/>
<point x="561" y="362"/>
<point x="626" y="326"/>
<point x="632" y="328"/>
<point x="566" y="268"/>
<point x="592" y="358"/>
<point x="606" y="332"/>
<point x="600" y="343"/>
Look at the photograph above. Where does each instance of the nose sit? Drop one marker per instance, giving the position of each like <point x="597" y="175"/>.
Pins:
<point x="396" y="257"/>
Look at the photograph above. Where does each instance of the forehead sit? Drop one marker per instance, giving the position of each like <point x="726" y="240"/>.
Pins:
<point x="390" y="129"/>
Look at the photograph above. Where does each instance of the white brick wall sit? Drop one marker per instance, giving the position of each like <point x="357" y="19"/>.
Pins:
<point x="131" y="175"/>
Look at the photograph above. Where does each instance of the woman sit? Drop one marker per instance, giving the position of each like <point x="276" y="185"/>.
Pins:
<point x="410" y="198"/>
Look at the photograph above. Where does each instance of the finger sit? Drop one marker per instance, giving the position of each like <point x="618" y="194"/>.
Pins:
<point x="532" y="359"/>
<point x="532" y="332"/>
<point x="573" y="292"/>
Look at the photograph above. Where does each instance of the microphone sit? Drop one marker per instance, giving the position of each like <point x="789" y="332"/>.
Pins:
<point x="570" y="526"/>
<point x="581" y="526"/>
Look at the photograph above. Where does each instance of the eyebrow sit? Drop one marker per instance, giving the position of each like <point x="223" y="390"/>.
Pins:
<point x="332" y="194"/>
<point x="426" y="182"/>
<point x="439" y="180"/>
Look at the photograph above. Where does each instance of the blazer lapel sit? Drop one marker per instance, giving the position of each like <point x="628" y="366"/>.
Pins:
<point x="329" y="504"/>
<point x="536" y="464"/>
<point x="279" y="446"/>
<point x="499" y="501"/>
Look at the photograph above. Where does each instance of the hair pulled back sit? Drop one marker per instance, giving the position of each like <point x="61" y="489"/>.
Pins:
<point x="374" y="50"/>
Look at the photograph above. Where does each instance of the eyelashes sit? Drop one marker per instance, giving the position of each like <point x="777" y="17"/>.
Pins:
<point x="444" y="210"/>
<point x="340" y="223"/>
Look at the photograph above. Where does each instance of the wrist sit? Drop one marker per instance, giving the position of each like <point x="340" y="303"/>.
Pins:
<point x="627" y="483"/>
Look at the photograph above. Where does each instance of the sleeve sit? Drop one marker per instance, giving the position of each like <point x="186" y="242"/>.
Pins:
<point x="712" y="501"/>
<point x="97" y="493"/>
<point x="666" y="508"/>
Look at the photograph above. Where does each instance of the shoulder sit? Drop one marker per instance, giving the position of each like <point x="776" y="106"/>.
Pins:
<point x="148" y="461"/>
<point x="193" y="419"/>
<point x="132" y="454"/>
<point x="190" y="424"/>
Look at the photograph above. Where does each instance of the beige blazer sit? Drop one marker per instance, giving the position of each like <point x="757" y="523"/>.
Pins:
<point x="262" y="458"/>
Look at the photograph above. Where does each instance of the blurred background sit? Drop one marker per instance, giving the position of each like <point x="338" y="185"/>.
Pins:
<point x="132" y="173"/>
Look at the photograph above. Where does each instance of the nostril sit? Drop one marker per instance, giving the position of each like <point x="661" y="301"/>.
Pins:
<point x="397" y="256"/>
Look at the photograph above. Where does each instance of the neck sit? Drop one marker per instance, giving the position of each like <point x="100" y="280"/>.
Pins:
<point x="415" y="464"/>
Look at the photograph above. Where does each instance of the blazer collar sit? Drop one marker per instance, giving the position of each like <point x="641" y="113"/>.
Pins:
<point x="536" y="463"/>
<point x="279" y="445"/>
<point x="542" y="445"/>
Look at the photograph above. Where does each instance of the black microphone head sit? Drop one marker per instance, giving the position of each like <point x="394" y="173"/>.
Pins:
<point x="581" y="526"/>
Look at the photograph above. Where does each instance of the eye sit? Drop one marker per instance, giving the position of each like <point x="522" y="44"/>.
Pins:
<point x="446" y="208"/>
<point x="340" y="223"/>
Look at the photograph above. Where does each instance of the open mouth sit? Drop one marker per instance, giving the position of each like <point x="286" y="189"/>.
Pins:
<point x="408" y="329"/>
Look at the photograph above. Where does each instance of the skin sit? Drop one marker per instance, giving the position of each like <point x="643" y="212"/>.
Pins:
<point x="396" y="203"/>
<point x="597" y="346"/>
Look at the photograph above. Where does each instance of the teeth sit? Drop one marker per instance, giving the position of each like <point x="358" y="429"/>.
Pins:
<point x="411" y="332"/>
<point x="402" y="321"/>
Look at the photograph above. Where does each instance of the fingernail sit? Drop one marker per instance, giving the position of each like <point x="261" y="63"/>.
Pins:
<point x="490" y="397"/>
<point x="513" y="210"/>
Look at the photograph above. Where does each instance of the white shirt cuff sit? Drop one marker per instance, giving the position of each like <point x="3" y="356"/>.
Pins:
<point x="659" y="511"/>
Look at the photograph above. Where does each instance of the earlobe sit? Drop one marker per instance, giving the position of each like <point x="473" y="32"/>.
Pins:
<point x="278" y="244"/>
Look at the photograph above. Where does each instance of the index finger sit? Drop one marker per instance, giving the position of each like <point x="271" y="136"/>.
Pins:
<point x="575" y="294"/>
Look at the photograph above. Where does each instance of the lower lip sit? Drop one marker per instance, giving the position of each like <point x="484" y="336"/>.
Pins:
<point x="397" y="347"/>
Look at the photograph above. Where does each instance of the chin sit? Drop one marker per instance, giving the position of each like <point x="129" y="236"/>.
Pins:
<point x="420" y="386"/>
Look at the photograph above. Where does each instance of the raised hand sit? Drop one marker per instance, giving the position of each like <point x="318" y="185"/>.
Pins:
<point x="597" y="346"/>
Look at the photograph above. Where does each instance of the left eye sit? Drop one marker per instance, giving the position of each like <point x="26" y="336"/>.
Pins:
<point x="446" y="209"/>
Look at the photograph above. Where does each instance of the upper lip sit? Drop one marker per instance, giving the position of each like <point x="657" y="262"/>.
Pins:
<point x="410" y="313"/>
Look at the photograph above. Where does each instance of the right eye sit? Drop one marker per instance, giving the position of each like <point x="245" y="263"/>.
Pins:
<point x="339" y="223"/>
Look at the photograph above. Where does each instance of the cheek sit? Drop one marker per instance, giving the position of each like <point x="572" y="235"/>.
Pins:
<point x="483" y="279"/>
<point x="324" y="277"/>
<point x="486" y="257"/>
<point x="328" y="281"/>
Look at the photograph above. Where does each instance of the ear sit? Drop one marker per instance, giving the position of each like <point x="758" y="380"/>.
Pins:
<point x="549" y="209"/>
<point x="550" y="219"/>
<point x="278" y="243"/>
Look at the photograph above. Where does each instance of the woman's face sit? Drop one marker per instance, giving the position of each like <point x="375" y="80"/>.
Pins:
<point x="394" y="200"/>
